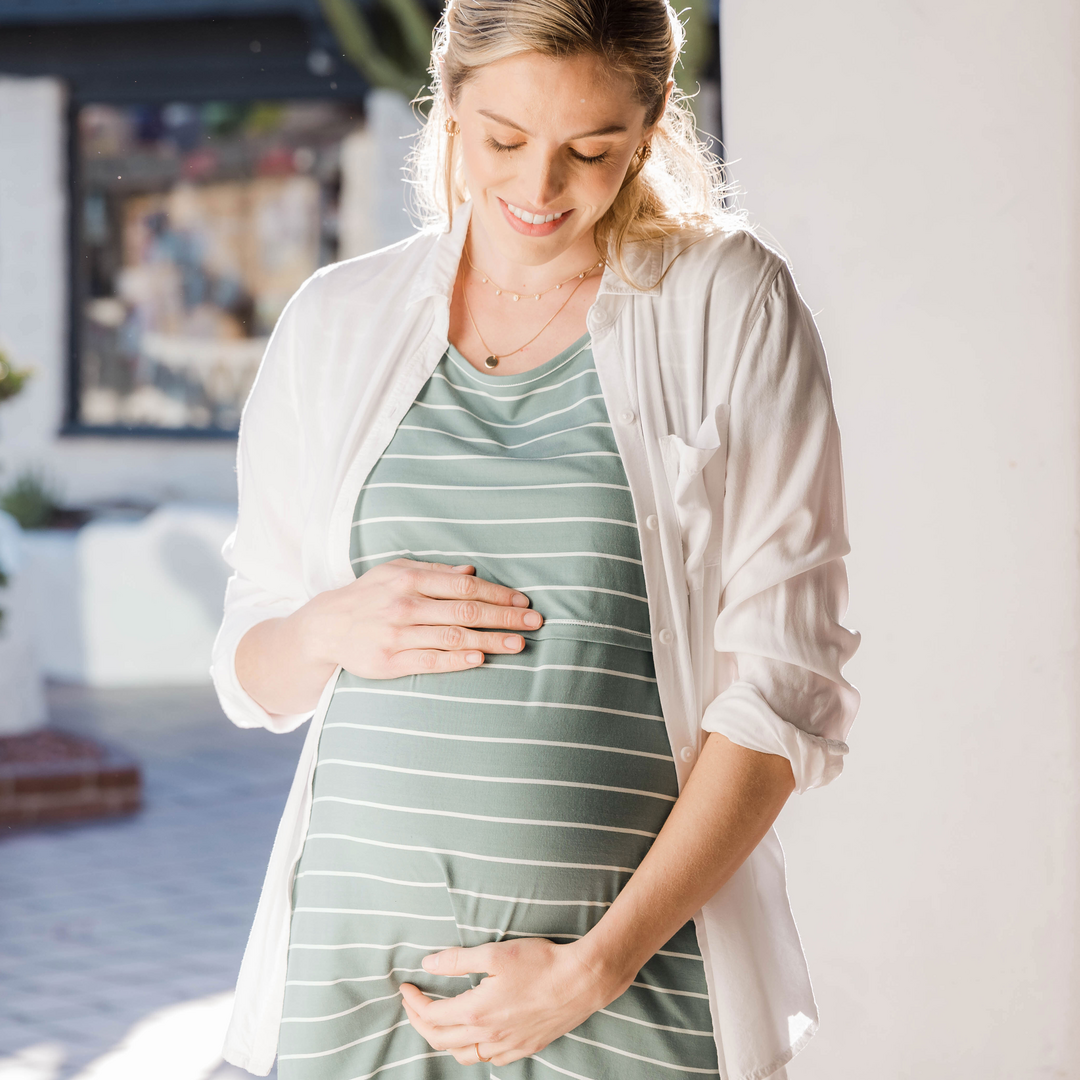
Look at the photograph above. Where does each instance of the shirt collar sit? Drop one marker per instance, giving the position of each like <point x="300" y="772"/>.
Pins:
<point x="642" y="260"/>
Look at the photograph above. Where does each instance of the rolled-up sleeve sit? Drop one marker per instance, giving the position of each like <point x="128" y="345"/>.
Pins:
<point x="784" y="585"/>
<point x="264" y="550"/>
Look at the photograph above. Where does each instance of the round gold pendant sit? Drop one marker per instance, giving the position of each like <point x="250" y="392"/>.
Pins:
<point x="491" y="361"/>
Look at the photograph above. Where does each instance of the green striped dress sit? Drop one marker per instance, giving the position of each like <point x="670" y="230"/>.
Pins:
<point x="510" y="800"/>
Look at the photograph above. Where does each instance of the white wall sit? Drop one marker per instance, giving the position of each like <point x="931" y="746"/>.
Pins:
<point x="918" y="161"/>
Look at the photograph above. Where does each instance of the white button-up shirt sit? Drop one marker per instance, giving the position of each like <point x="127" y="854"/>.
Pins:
<point x="717" y="384"/>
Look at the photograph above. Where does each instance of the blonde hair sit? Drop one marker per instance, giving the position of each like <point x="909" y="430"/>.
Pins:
<point x="678" y="186"/>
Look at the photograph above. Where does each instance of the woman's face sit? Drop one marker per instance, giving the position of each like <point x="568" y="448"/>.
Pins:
<point x="545" y="145"/>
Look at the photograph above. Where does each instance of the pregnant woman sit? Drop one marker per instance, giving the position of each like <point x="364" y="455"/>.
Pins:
<point x="542" y="524"/>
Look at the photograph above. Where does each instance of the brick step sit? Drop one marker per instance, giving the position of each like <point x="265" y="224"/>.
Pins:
<point x="54" y="776"/>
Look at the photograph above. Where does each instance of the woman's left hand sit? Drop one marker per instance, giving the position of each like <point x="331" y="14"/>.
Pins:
<point x="535" y="992"/>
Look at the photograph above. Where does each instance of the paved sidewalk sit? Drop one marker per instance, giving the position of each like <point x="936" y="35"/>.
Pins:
<point x="106" y="925"/>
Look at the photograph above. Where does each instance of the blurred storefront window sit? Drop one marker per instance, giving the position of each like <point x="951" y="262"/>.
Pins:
<point x="196" y="223"/>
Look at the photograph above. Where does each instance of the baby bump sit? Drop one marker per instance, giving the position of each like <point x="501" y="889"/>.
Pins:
<point x="532" y="786"/>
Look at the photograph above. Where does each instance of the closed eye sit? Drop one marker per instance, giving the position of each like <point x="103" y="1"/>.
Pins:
<point x="589" y="160"/>
<point x="502" y="148"/>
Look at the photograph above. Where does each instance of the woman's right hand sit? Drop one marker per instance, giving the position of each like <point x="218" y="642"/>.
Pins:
<point x="409" y="618"/>
<point x="400" y="618"/>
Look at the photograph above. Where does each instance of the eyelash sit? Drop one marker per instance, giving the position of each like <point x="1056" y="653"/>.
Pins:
<point x="502" y="148"/>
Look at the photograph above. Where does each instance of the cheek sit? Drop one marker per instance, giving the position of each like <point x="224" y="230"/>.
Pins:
<point x="483" y="168"/>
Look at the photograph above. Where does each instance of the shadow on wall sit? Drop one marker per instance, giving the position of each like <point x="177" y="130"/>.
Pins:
<point x="195" y="565"/>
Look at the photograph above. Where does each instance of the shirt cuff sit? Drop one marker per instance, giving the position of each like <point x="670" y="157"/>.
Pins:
<point x="242" y="709"/>
<point x="742" y="715"/>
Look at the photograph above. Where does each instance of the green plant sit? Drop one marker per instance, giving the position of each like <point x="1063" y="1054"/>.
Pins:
<point x="11" y="379"/>
<point x="397" y="59"/>
<point x="32" y="501"/>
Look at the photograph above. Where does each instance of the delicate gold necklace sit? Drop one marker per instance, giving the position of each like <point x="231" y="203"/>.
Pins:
<point x="499" y="290"/>
<point x="492" y="360"/>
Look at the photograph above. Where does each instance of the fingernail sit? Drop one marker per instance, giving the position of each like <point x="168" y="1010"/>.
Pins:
<point x="533" y="619"/>
<point x="474" y="658"/>
<point x="463" y="566"/>
<point x="514" y="642"/>
<point x="519" y="600"/>
<point x="431" y="963"/>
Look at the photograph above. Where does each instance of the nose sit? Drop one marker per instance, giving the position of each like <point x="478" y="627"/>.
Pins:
<point x="549" y="179"/>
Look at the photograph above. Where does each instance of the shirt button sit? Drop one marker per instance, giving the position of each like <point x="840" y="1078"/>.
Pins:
<point x="666" y="636"/>
<point x="687" y="753"/>
<point x="627" y="416"/>
<point x="652" y="522"/>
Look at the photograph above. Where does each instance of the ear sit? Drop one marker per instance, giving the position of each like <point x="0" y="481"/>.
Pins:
<point x="650" y="132"/>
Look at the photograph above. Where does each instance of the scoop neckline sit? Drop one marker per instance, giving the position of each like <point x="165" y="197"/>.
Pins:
<point x="532" y="375"/>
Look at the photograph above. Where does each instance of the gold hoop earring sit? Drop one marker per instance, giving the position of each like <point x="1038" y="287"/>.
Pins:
<point x="644" y="152"/>
<point x="450" y="126"/>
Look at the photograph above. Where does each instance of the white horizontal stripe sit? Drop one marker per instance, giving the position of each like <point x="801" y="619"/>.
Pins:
<point x="550" y="934"/>
<point x="374" y="911"/>
<point x="339" y="1015"/>
<point x="557" y="1068"/>
<point x="463" y="855"/>
<point x="657" y="1027"/>
<point x="469" y="373"/>
<point x="532" y="900"/>
<point x="371" y="944"/>
<point x="463" y="892"/>
<point x="403" y="1061"/>
<point x="512" y="397"/>
<point x="677" y="993"/>
<point x="492" y="487"/>
<point x="496" y="521"/>
<point x="524" y="423"/>
<point x="502" y="702"/>
<point x="373" y="877"/>
<point x="516" y="933"/>
<point x="581" y="588"/>
<point x="638" y="1057"/>
<point x="498" y="555"/>
<point x="482" y="817"/>
<point x="347" y="1046"/>
<point x="495" y="442"/>
<point x="500" y="739"/>
<point x="491" y="457"/>
<point x="597" y="626"/>
<point x="542" y="781"/>
<point x="569" y="667"/>
<point x="360" y="978"/>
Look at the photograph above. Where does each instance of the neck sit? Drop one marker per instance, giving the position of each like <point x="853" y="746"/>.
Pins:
<point x="521" y="277"/>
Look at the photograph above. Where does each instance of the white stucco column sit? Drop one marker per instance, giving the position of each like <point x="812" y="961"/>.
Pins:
<point x="33" y="294"/>
<point x="919" y="163"/>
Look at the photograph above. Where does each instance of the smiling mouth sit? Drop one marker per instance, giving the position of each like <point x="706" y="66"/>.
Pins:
<point x="533" y="219"/>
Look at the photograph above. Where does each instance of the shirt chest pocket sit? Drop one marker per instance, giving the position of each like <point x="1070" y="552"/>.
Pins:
<point x="695" y="475"/>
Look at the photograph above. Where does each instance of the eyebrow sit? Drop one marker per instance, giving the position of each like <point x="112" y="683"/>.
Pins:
<point x="610" y="129"/>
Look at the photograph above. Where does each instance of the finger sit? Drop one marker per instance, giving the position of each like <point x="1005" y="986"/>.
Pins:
<point x="462" y="960"/>
<point x="455" y="638"/>
<point x="473" y="613"/>
<point x="432" y="661"/>
<point x="461" y="584"/>
<point x="442" y="1036"/>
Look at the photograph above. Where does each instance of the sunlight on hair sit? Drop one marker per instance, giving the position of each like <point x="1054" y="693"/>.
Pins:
<point x="39" y="1062"/>
<point x="180" y="1042"/>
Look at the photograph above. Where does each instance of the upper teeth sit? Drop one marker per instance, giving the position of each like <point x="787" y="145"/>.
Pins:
<point x="532" y="219"/>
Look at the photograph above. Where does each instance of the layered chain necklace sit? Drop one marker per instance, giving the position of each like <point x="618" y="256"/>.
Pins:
<point x="492" y="359"/>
